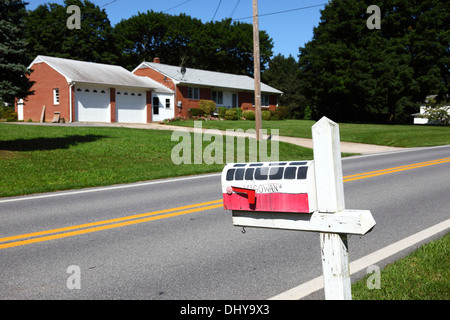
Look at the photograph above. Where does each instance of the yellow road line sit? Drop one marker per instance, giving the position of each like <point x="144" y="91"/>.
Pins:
<point x="105" y="227"/>
<point x="34" y="237"/>
<point x="395" y="169"/>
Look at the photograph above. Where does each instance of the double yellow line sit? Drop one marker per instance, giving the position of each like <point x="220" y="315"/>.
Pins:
<point x="28" y="238"/>
<point x="34" y="237"/>
<point x="395" y="169"/>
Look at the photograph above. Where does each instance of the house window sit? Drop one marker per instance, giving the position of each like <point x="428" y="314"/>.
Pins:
<point x="167" y="103"/>
<point x="193" y="93"/>
<point x="234" y="100"/>
<point x="265" y="100"/>
<point x="56" y="96"/>
<point x="217" y="97"/>
<point x="155" y="105"/>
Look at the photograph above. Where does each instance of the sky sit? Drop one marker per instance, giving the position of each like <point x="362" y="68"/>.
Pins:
<point x="289" y="23"/>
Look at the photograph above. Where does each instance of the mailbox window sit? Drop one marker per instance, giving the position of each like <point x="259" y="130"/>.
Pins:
<point x="301" y="173"/>
<point x="297" y="163"/>
<point x="261" y="173"/>
<point x="230" y="174"/>
<point x="256" y="165"/>
<point x="276" y="173"/>
<point x="289" y="172"/>
<point x="277" y="164"/>
<point x="239" y="175"/>
<point x="249" y="173"/>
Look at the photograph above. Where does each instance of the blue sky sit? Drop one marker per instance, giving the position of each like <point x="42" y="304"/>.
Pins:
<point x="289" y="30"/>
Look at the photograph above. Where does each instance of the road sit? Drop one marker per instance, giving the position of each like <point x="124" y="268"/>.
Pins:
<point x="126" y="242"/>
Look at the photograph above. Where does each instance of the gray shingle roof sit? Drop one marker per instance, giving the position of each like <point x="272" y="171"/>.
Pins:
<point x="97" y="73"/>
<point x="209" y="78"/>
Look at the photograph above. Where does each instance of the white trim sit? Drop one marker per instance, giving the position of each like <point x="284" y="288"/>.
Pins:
<point x="101" y="189"/>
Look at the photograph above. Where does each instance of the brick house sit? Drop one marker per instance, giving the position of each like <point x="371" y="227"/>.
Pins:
<point x="90" y="92"/>
<point x="192" y="85"/>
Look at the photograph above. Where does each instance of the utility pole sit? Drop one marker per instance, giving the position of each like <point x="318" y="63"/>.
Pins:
<point x="257" y="71"/>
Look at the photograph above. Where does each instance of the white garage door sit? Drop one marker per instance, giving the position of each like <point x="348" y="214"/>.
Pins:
<point x="131" y="106"/>
<point x="92" y="104"/>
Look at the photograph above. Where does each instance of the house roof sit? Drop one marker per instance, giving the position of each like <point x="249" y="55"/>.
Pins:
<point x="97" y="73"/>
<point x="208" y="78"/>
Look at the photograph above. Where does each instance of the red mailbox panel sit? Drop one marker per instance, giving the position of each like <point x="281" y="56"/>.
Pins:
<point x="270" y="187"/>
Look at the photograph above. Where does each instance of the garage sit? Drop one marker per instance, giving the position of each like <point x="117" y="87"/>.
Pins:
<point x="131" y="106"/>
<point x="92" y="104"/>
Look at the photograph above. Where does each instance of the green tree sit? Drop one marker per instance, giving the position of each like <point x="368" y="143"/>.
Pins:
<point x="283" y="74"/>
<point x="48" y="34"/>
<point x="147" y="35"/>
<point x="13" y="63"/>
<point x="223" y="46"/>
<point x="350" y="72"/>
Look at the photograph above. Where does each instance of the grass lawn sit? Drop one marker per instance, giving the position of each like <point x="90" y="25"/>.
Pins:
<point x="423" y="275"/>
<point x="387" y="135"/>
<point x="48" y="158"/>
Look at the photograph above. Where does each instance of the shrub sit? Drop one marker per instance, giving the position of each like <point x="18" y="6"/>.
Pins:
<point x="222" y="111"/>
<point x="249" y="114"/>
<point x="265" y="115"/>
<point x="208" y="106"/>
<point x="282" y="112"/>
<point x="196" y="112"/>
<point x="231" y="114"/>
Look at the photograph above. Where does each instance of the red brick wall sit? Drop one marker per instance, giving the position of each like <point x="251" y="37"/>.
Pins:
<point x="245" y="100"/>
<point x="46" y="79"/>
<point x="182" y="95"/>
<point x="155" y="75"/>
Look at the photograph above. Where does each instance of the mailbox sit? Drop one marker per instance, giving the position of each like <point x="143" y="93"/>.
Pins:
<point x="270" y="186"/>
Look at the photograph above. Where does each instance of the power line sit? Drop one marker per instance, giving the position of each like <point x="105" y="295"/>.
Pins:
<point x="234" y="9"/>
<point x="284" y="11"/>
<point x="178" y="5"/>
<point x="220" y="1"/>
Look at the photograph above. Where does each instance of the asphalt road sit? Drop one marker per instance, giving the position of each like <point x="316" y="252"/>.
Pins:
<point x="195" y="252"/>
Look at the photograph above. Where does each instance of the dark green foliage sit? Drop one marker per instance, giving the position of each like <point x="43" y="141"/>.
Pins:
<point x="47" y="33"/>
<point x="223" y="46"/>
<point x="13" y="61"/>
<point x="351" y="73"/>
<point x="283" y="74"/>
<point x="196" y="112"/>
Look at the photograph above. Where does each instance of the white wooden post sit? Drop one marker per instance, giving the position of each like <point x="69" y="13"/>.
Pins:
<point x="330" y="199"/>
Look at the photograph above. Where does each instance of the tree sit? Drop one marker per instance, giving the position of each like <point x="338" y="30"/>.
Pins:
<point x="282" y="74"/>
<point x="13" y="63"/>
<point x="353" y="73"/>
<point x="147" y="35"/>
<point x="223" y="46"/>
<point x="48" y="34"/>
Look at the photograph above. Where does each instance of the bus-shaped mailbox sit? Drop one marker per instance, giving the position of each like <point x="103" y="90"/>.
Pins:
<point x="270" y="186"/>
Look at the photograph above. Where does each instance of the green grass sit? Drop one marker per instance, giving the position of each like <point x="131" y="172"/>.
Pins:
<point x="387" y="135"/>
<point x="422" y="275"/>
<point x="48" y="158"/>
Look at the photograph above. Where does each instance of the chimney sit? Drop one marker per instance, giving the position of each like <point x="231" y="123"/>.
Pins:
<point x="156" y="60"/>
